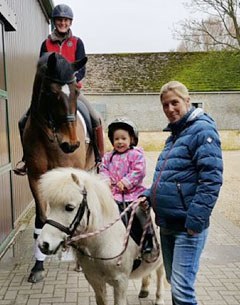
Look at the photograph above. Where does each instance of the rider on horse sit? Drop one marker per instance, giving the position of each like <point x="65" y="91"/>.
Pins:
<point x="62" y="41"/>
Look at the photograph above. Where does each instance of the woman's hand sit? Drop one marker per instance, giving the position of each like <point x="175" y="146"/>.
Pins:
<point x="191" y="232"/>
<point x="143" y="203"/>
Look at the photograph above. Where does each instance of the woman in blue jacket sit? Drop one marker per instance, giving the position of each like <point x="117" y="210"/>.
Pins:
<point x="185" y="188"/>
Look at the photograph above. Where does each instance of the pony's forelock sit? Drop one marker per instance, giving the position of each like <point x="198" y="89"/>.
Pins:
<point x="58" y="186"/>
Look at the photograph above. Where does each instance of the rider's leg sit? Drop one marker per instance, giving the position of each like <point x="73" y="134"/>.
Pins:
<point x="21" y="169"/>
<point x="97" y="129"/>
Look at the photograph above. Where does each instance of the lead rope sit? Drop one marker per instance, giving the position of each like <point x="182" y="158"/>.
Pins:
<point x="134" y="206"/>
<point x="97" y="232"/>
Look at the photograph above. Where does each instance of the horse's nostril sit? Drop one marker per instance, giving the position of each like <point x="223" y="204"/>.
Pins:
<point x="45" y="245"/>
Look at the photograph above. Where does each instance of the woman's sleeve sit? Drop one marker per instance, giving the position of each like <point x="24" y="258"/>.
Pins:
<point x="207" y="158"/>
<point x="80" y="54"/>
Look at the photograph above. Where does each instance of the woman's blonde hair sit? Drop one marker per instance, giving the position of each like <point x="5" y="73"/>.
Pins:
<point x="175" y="86"/>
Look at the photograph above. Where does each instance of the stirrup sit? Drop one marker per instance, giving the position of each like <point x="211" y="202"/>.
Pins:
<point x="20" y="170"/>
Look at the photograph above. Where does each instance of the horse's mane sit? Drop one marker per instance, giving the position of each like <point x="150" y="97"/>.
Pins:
<point x="58" y="186"/>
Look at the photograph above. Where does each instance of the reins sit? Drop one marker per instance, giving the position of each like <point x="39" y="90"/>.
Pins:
<point x="132" y="206"/>
<point x="71" y="239"/>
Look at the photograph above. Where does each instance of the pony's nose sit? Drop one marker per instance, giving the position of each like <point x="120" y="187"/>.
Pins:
<point x="44" y="247"/>
<point x="69" y="148"/>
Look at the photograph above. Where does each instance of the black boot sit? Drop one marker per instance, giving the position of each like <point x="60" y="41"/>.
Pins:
<point x="21" y="168"/>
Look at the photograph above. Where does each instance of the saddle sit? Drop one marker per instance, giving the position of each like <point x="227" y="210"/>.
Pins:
<point x="86" y="116"/>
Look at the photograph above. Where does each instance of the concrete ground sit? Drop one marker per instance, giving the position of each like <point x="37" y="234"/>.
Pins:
<point x="218" y="280"/>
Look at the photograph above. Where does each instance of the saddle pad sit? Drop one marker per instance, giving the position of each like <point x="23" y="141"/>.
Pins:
<point x="87" y="137"/>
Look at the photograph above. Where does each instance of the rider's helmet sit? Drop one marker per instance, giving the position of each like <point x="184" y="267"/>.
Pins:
<point x="62" y="11"/>
<point x="125" y="124"/>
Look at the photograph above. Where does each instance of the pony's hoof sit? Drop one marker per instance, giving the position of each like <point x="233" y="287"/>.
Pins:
<point x="78" y="268"/>
<point x="36" y="277"/>
<point x="143" y="294"/>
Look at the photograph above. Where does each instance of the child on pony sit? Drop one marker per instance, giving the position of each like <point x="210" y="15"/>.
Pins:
<point x="124" y="168"/>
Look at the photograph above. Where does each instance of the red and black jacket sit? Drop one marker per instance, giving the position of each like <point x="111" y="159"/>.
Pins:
<point x="71" y="48"/>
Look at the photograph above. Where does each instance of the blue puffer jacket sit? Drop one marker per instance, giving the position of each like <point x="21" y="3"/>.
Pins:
<point x="188" y="174"/>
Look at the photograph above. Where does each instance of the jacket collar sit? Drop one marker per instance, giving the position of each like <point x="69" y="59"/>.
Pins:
<point x="181" y="124"/>
<point x="55" y="37"/>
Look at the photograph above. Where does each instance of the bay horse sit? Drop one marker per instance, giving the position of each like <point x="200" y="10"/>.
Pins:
<point x="81" y="209"/>
<point x="54" y="135"/>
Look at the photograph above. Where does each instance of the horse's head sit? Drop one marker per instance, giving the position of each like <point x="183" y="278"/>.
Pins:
<point x="57" y="101"/>
<point x="78" y="202"/>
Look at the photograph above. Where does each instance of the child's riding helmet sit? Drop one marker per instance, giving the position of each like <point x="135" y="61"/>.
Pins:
<point x="125" y="124"/>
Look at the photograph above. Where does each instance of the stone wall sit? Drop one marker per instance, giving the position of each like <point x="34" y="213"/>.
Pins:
<point x="145" y="109"/>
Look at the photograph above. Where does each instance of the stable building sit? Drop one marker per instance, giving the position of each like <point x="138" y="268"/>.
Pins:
<point x="23" y="27"/>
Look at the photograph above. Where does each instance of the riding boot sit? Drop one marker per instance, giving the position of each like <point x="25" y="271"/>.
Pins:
<point x="21" y="168"/>
<point x="98" y="143"/>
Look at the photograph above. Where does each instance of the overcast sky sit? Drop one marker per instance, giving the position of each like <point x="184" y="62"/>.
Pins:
<point x="118" y="26"/>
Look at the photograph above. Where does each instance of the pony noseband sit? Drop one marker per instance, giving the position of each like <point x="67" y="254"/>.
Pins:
<point x="76" y="221"/>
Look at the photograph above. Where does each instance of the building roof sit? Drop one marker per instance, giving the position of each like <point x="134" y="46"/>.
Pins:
<point x="147" y="72"/>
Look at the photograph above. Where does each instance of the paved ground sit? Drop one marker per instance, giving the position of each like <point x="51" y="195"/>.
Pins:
<point x="218" y="280"/>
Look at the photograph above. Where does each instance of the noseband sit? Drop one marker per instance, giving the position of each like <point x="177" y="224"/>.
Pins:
<point x="76" y="221"/>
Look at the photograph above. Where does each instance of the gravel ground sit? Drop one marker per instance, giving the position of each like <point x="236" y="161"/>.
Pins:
<point x="229" y="200"/>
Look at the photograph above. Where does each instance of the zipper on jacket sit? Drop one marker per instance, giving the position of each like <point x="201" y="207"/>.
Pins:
<point x="181" y="195"/>
<point x="155" y="185"/>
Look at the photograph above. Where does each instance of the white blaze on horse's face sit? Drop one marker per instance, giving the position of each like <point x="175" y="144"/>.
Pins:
<point x="66" y="90"/>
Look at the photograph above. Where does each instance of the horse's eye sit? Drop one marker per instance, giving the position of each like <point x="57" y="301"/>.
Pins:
<point x="69" y="208"/>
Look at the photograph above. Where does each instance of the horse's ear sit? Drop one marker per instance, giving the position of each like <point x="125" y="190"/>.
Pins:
<point x="79" y="63"/>
<point x="75" y="179"/>
<point x="52" y="60"/>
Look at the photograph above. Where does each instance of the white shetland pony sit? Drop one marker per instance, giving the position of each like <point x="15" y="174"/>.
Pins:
<point x="81" y="206"/>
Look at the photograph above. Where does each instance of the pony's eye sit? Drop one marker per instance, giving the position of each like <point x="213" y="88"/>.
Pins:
<point x="69" y="208"/>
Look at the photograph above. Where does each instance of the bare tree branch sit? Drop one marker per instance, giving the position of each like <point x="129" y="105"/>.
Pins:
<point x="219" y="30"/>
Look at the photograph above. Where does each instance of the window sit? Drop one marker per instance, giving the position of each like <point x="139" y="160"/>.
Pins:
<point x="197" y="105"/>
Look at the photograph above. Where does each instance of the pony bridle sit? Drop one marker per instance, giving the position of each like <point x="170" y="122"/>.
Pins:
<point x="77" y="219"/>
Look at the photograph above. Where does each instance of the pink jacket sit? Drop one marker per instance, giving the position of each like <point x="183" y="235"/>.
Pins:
<point x="129" y="167"/>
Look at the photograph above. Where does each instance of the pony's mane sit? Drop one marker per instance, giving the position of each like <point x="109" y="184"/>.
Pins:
<point x="57" y="186"/>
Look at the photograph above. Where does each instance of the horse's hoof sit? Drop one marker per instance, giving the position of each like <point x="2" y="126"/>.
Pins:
<point x="36" y="277"/>
<point x="78" y="269"/>
<point x="143" y="294"/>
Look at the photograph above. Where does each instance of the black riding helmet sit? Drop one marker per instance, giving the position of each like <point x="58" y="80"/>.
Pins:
<point x="125" y="124"/>
<point x="62" y="11"/>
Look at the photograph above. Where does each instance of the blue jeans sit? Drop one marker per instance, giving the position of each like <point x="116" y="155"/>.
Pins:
<point x="181" y="255"/>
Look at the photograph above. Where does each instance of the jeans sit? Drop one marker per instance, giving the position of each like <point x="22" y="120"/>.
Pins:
<point x="181" y="255"/>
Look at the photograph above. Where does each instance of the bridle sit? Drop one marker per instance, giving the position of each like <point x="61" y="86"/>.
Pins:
<point x="72" y="117"/>
<point x="77" y="219"/>
<point x="52" y="123"/>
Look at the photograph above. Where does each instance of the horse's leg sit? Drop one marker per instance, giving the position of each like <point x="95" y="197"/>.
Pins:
<point x="160" y="272"/>
<point x="100" y="289"/>
<point x="120" y="291"/>
<point x="144" y="292"/>
<point x="37" y="272"/>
